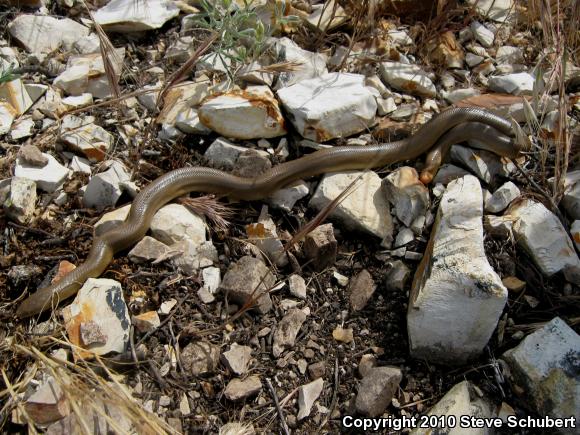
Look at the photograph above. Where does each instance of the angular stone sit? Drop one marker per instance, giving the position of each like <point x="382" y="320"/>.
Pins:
<point x="320" y="247"/>
<point x="455" y="279"/>
<point x="147" y="249"/>
<point x="309" y="64"/>
<point x="407" y="77"/>
<point x="482" y="34"/>
<point x="265" y="237"/>
<point x="7" y="115"/>
<point x="190" y="256"/>
<point x="211" y="279"/>
<point x="147" y="322"/>
<point x="486" y="165"/>
<point x="238" y="389"/>
<point x="287" y="330"/>
<point x="407" y="194"/>
<point x="545" y="366"/>
<point x="174" y="223"/>
<point x="200" y="358"/>
<point x="297" y="286"/>
<point x="307" y="395"/>
<point x="237" y="358"/>
<point x="105" y="189"/>
<point x="188" y="122"/>
<point x="502" y="198"/>
<point x="397" y="276"/>
<point x="48" y="178"/>
<point x="45" y="34"/>
<point x="361" y="290"/>
<point x="112" y="219"/>
<point x="48" y="403"/>
<point x="365" y="209"/>
<point x="376" y="390"/>
<point x="31" y="155"/>
<point x="21" y="201"/>
<point x="515" y="84"/>
<point x="223" y="154"/>
<point x="284" y="199"/>
<point x="318" y="115"/>
<point x="92" y="141"/>
<point x="134" y="15"/>
<point x="249" y="280"/>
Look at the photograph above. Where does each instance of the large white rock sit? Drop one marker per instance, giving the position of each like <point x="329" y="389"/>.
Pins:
<point x="174" y="223"/>
<point x="135" y="15"/>
<point x="105" y="189"/>
<point x="407" y="77"/>
<point x="7" y="115"/>
<point x="14" y="93"/>
<point x="44" y="34"/>
<point x="319" y="115"/>
<point x="93" y="141"/>
<point x="48" y="178"/>
<point x="545" y="366"/>
<point x="543" y="236"/>
<point x="98" y="319"/>
<point x="462" y="400"/>
<point x="365" y="209"/>
<point x="456" y="297"/>
<point x="496" y="10"/>
<point x="517" y="84"/>
<point x="21" y="201"/>
<point x="250" y="114"/>
<point x="308" y="64"/>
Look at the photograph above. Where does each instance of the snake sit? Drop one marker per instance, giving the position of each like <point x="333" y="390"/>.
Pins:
<point x="449" y="127"/>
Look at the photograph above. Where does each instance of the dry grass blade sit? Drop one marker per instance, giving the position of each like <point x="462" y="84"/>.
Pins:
<point x="280" y="67"/>
<point x="217" y="212"/>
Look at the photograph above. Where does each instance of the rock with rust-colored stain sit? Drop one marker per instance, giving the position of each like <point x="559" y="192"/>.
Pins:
<point x="48" y="403"/>
<point x="250" y="114"/>
<point x="408" y="78"/>
<point x="98" y="307"/>
<point x="92" y="141"/>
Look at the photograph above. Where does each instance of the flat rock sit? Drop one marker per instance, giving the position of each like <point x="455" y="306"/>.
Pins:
<point x="287" y="330"/>
<point x="238" y="389"/>
<point x="516" y="84"/>
<point x="327" y="16"/>
<point x="309" y="64"/>
<point x="134" y="15"/>
<point x="200" y="358"/>
<point x="7" y="115"/>
<point x="455" y="279"/>
<point x="482" y="34"/>
<point x="307" y="395"/>
<point x="21" y="202"/>
<point x="376" y="390"/>
<point x="318" y="115"/>
<point x="502" y="198"/>
<point x="264" y="236"/>
<point x="105" y="189"/>
<point x="48" y="178"/>
<point x="459" y="94"/>
<point x="188" y="122"/>
<point x="45" y="34"/>
<point x="543" y="236"/>
<point x="365" y="209"/>
<point x="22" y="129"/>
<point x="190" y="256"/>
<point x="147" y="249"/>
<point x="211" y="279"/>
<point x="496" y="10"/>
<point x="32" y="156"/>
<point x="549" y="378"/>
<point x="361" y="290"/>
<point x="297" y="286"/>
<point x="397" y="276"/>
<point x="486" y="165"/>
<point x="409" y="78"/>
<point x="99" y="311"/>
<point x="237" y="358"/>
<point x="48" y="403"/>
<point x="407" y="194"/>
<point x="249" y="280"/>
<point x="91" y="140"/>
<point x="250" y="114"/>
<point x="463" y="400"/>
<point x="223" y="154"/>
<point x="179" y="99"/>
<point x="175" y="222"/>
<point x="111" y="219"/>
<point x="147" y="322"/>
<point x="285" y="199"/>
<point x="320" y="247"/>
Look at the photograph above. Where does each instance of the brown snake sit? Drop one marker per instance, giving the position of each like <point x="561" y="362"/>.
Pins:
<point x="452" y="126"/>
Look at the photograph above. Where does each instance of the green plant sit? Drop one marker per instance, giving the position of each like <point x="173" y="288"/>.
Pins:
<point x="7" y="73"/>
<point x="241" y="33"/>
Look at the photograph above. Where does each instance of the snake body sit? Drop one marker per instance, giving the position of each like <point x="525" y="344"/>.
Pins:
<point x="452" y="126"/>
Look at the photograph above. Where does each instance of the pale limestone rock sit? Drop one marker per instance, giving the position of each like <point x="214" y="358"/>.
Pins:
<point x="7" y="115"/>
<point x="223" y="154"/>
<point x="496" y="10"/>
<point x="309" y="64"/>
<point x="455" y="279"/>
<point x="237" y="358"/>
<point x="318" y="115"/>
<point x="238" y="389"/>
<point x="517" y="84"/>
<point x="188" y="122"/>
<point x="45" y="34"/>
<point x="105" y="189"/>
<point x="174" y="223"/>
<point x="250" y="114"/>
<point x="47" y="404"/>
<point x="457" y="95"/>
<point x="147" y="249"/>
<point x="99" y="305"/>
<point x="111" y="219"/>
<point x="486" y="165"/>
<point x="502" y="198"/>
<point x="297" y="286"/>
<point x="89" y="139"/>
<point x="80" y="164"/>
<point x="264" y="236"/>
<point x="211" y="279"/>
<point x="287" y="330"/>
<point x="22" y="129"/>
<point x="407" y="194"/>
<point x="307" y="395"/>
<point x="365" y="209"/>
<point x="48" y="178"/>
<point x="285" y="199"/>
<point x="15" y="94"/>
<point x="21" y="201"/>
<point x="147" y="322"/>
<point x="543" y="236"/>
<point x="407" y="77"/>
<point x="482" y="34"/>
<point x="545" y="366"/>
<point x="200" y="358"/>
<point x="135" y="15"/>
<point x="376" y="390"/>
<point x="190" y="255"/>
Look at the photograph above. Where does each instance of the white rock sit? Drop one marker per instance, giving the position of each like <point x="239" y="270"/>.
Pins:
<point x="190" y="256"/>
<point x="7" y="115"/>
<point x="497" y="10"/>
<point x="174" y="223"/>
<point x="105" y="189"/>
<point x="462" y="401"/>
<point x="88" y="44"/>
<point x="73" y="80"/>
<point x="364" y="209"/>
<point x="318" y="115"/>
<point x="408" y="78"/>
<point x="250" y="114"/>
<point x="188" y="122"/>
<point x="516" y="84"/>
<point x="48" y="178"/>
<point x="78" y="101"/>
<point x="211" y="279"/>
<point x="482" y="34"/>
<point x="93" y="141"/>
<point x="375" y="82"/>
<point x="98" y="319"/>
<point x="14" y="93"/>
<point x="297" y="286"/>
<point x="502" y="197"/>
<point x="307" y="395"/>
<point x="265" y="237"/>
<point x="544" y="365"/>
<point x="473" y="59"/>
<point x="509" y="54"/>
<point x="386" y="105"/>
<point x="327" y="16"/>
<point x="79" y="164"/>
<point x="571" y="198"/>
<point x="45" y="34"/>
<point x="21" y="201"/>
<point x="404" y="236"/>
<point x="135" y="15"/>
<point x="112" y="219"/>
<point x="459" y="94"/>
<point x="22" y="129"/>
<point x="543" y="236"/>
<point x="237" y="358"/>
<point x="575" y="231"/>
<point x="500" y="226"/>
<point x="455" y="279"/>
<point x="407" y="194"/>
<point x="484" y="164"/>
<point x="309" y="64"/>
<point x="223" y="154"/>
<point x="284" y="199"/>
<point x="399" y="37"/>
<point x="147" y="249"/>
<point x="253" y="73"/>
<point x="149" y="99"/>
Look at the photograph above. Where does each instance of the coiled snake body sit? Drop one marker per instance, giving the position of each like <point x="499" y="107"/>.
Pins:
<point x="435" y="137"/>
